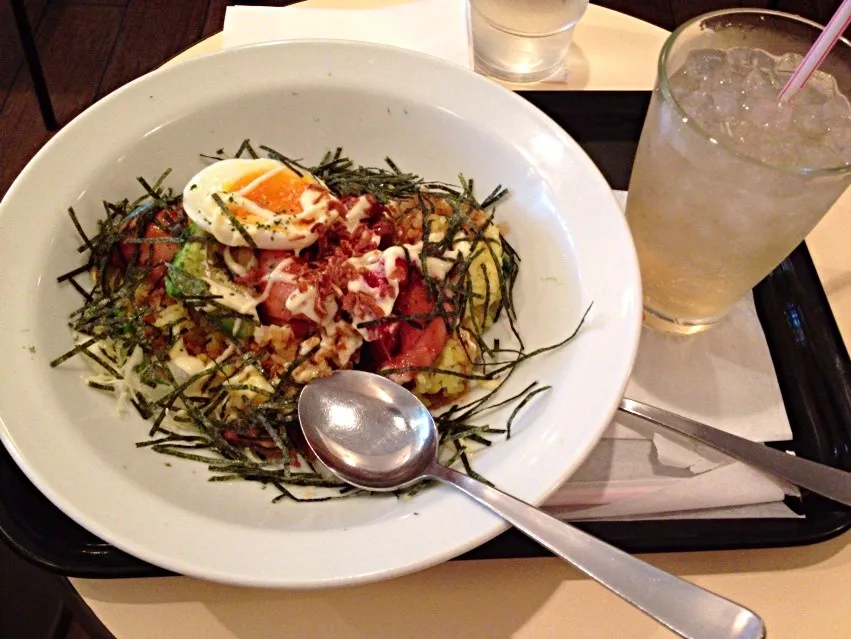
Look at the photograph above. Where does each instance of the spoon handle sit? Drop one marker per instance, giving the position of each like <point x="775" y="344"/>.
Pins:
<point x="824" y="480"/>
<point x="686" y="609"/>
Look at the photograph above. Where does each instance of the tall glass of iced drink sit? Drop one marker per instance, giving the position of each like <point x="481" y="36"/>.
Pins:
<point x="727" y="181"/>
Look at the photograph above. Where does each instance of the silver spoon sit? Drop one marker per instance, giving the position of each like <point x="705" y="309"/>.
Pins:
<point x="374" y="434"/>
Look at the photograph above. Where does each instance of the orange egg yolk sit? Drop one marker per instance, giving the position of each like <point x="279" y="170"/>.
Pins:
<point x="279" y="193"/>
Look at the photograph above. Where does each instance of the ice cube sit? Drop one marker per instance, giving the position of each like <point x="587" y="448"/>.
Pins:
<point x="702" y="63"/>
<point x="724" y="80"/>
<point x="809" y="95"/>
<point x="741" y="132"/>
<point x="760" y="84"/>
<point x="741" y="61"/>
<point x="763" y="112"/>
<point x="822" y="83"/>
<point x="787" y="64"/>
<point x="738" y="60"/>
<point x="727" y="99"/>
<point x="714" y="128"/>
<point x="838" y="138"/>
<point x="837" y="121"/>
<point x="784" y="117"/>
<point x="683" y="84"/>
<point x="762" y="60"/>
<point x="837" y="111"/>
<point x="697" y="104"/>
<point x="733" y="97"/>
<point x="809" y="119"/>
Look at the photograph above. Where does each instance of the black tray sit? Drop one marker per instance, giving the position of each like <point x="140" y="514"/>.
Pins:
<point x="809" y="356"/>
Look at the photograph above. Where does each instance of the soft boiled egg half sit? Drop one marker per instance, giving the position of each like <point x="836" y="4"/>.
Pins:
<point x="277" y="207"/>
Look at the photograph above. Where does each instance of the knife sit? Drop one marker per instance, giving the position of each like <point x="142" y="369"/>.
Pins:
<point x="827" y="481"/>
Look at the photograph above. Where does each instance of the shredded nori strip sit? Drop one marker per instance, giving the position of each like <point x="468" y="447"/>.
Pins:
<point x="193" y="418"/>
<point x="234" y="221"/>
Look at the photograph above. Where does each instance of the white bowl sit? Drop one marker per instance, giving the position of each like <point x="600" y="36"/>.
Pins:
<point x="304" y="98"/>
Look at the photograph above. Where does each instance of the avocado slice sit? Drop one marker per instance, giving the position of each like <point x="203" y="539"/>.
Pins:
<point x="193" y="273"/>
<point x="191" y="258"/>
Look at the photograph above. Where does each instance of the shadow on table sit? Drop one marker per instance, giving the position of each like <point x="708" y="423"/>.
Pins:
<point x="838" y="284"/>
<point x="451" y="600"/>
<point x="497" y="599"/>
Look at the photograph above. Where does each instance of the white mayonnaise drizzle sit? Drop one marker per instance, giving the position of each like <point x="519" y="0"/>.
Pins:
<point x="357" y="213"/>
<point x="235" y="267"/>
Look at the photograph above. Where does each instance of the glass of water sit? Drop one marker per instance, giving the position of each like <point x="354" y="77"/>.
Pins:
<point x="523" y="40"/>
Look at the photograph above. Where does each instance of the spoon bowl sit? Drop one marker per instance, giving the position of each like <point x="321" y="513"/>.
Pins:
<point x="374" y="434"/>
<point x="370" y="432"/>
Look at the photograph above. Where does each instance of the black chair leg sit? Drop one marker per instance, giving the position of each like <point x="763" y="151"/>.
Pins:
<point x="34" y="64"/>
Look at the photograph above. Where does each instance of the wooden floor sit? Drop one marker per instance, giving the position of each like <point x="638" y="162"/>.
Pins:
<point x="91" y="47"/>
<point x="88" y="48"/>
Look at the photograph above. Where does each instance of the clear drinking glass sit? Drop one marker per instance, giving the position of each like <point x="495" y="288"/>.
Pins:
<point x="523" y="40"/>
<point x="712" y="215"/>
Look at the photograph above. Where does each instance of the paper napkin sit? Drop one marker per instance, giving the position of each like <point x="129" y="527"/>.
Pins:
<point x="434" y="27"/>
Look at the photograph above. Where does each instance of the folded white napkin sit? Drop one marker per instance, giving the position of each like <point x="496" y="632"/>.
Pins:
<point x="434" y="27"/>
<point x="727" y="487"/>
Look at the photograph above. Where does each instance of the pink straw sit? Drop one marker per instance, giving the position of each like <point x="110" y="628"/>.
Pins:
<point x="819" y="51"/>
